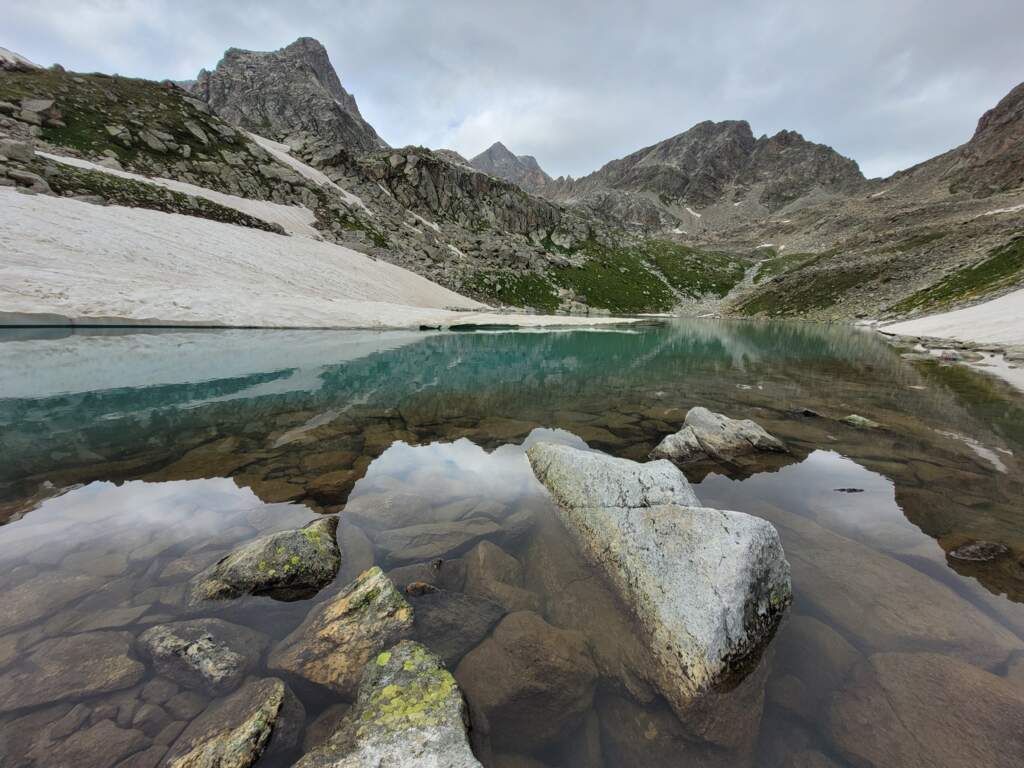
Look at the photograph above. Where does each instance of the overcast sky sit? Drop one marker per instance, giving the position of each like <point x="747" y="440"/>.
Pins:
<point x="581" y="82"/>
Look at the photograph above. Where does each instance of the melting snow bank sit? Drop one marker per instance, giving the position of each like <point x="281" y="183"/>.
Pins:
<point x="999" y="321"/>
<point x="65" y="262"/>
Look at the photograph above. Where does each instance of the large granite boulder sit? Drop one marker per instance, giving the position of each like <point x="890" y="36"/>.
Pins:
<point x="709" y="435"/>
<point x="286" y="565"/>
<point x="533" y="678"/>
<point x="340" y="635"/>
<point x="409" y="712"/>
<point x="263" y="715"/>
<point x="208" y="654"/>
<point x="709" y="587"/>
<point x="926" y="709"/>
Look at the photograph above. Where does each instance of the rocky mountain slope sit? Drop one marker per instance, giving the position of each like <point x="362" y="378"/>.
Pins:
<point x="947" y="232"/>
<point x="522" y="170"/>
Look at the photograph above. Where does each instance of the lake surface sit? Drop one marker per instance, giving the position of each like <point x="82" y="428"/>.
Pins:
<point x="129" y="461"/>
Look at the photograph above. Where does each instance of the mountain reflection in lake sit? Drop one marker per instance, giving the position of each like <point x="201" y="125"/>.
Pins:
<point x="131" y="461"/>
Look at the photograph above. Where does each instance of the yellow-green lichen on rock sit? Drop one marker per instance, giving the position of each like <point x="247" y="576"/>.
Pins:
<point x="341" y="636"/>
<point x="409" y="712"/>
<point x="287" y="564"/>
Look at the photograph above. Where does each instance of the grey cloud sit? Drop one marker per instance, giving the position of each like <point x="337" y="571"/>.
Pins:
<point x="578" y="83"/>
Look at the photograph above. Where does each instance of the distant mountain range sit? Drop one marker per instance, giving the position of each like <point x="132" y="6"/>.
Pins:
<point x="713" y="219"/>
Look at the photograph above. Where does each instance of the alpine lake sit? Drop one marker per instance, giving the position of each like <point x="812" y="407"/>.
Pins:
<point x="131" y="460"/>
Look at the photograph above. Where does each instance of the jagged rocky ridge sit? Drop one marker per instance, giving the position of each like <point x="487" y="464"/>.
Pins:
<point x="287" y="94"/>
<point x="712" y="161"/>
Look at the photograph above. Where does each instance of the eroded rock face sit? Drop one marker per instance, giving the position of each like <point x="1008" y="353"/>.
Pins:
<point x="409" y="712"/>
<point x="924" y="709"/>
<point x="341" y="635"/>
<point x="284" y="565"/>
<point x="238" y="730"/>
<point x="729" y="578"/>
<point x="534" y="678"/>
<point x="709" y="435"/>
<point x="208" y="654"/>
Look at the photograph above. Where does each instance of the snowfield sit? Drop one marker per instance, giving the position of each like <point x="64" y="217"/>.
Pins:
<point x="999" y="321"/>
<point x="69" y="262"/>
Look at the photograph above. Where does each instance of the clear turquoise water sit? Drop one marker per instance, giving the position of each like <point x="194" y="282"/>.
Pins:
<point x="132" y="459"/>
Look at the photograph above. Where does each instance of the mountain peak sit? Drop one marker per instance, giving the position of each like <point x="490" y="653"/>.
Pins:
<point x="993" y="160"/>
<point x="522" y="170"/>
<point x="293" y="92"/>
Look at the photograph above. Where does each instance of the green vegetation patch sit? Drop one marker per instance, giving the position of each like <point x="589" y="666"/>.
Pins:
<point x="517" y="290"/>
<point x="690" y="271"/>
<point x="69" y="180"/>
<point x="813" y="290"/>
<point x="1003" y="268"/>
<point x="617" y="279"/>
<point x="915" y="241"/>
<point x="779" y="264"/>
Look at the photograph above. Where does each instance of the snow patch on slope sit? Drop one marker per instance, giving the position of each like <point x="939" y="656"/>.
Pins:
<point x="1013" y="209"/>
<point x="296" y="219"/>
<point x="283" y="153"/>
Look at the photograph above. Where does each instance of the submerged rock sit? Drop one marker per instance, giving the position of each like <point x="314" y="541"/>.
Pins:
<point x="236" y="731"/>
<point x="409" y="712"/>
<point x="209" y="654"/>
<point x="71" y="667"/>
<point x="496" y="575"/>
<point x="452" y="623"/>
<point x="341" y="635"/>
<point x="859" y="421"/>
<point x="709" y="587"/>
<point x="531" y="677"/>
<point x="709" y="435"/>
<point x="284" y="565"/>
<point x="927" y="710"/>
<point x="980" y="551"/>
<point x="433" y="540"/>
